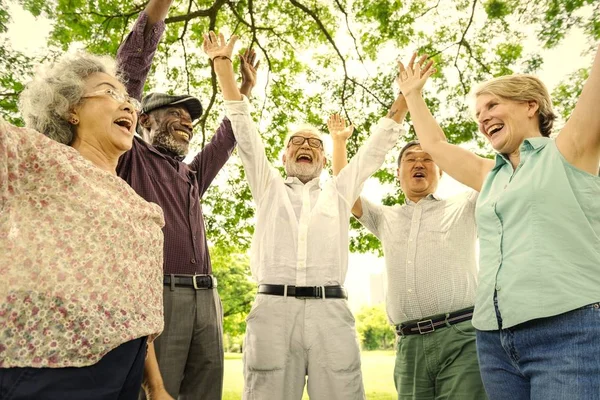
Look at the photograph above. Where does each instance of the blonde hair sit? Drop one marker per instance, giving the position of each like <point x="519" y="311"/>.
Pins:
<point x="523" y="87"/>
<point x="47" y="100"/>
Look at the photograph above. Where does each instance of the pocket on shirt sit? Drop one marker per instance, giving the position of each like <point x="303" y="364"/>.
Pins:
<point x="265" y="343"/>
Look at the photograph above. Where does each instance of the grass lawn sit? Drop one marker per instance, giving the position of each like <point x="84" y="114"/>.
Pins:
<point x="377" y="369"/>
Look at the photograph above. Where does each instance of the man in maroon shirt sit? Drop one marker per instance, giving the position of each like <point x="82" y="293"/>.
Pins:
<point x="190" y="350"/>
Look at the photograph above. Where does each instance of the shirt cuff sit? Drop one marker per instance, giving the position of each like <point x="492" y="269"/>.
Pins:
<point x="237" y="107"/>
<point x="388" y="123"/>
<point x="136" y="42"/>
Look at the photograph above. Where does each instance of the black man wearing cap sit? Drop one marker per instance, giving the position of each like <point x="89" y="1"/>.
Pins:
<point x="189" y="352"/>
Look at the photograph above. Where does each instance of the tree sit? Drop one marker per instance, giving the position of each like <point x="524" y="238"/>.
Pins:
<point x="374" y="329"/>
<point x="319" y="56"/>
<point x="230" y="267"/>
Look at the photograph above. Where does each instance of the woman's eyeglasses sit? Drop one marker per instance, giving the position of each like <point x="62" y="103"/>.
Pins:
<point x="118" y="96"/>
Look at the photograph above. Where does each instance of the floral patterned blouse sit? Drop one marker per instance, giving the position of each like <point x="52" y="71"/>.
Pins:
<point x="80" y="256"/>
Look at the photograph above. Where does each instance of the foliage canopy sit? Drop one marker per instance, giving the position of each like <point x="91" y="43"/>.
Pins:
<point x="318" y="57"/>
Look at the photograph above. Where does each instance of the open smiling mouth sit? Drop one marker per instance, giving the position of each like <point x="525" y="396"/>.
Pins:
<point x="184" y="135"/>
<point x="124" y="123"/>
<point x="494" y="129"/>
<point x="304" y="158"/>
<point x="418" y="175"/>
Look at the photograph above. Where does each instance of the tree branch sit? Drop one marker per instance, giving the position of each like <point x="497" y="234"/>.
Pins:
<point x="208" y="12"/>
<point x="461" y="42"/>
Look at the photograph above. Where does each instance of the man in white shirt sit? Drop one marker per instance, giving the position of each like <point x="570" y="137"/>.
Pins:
<point x="300" y="324"/>
<point x="429" y="247"/>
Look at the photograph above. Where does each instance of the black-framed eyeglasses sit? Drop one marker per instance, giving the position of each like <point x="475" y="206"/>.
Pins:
<point x="312" y="142"/>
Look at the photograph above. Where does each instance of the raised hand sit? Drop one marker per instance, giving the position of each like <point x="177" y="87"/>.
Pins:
<point x="412" y="78"/>
<point x="338" y="129"/>
<point x="218" y="47"/>
<point x="248" y="67"/>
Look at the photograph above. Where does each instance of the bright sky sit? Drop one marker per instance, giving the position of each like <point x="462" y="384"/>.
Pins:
<point x="558" y="63"/>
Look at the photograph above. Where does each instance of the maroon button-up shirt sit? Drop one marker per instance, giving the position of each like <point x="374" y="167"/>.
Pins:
<point x="156" y="174"/>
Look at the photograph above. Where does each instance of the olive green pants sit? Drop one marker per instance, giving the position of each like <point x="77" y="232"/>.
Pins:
<point x="439" y="365"/>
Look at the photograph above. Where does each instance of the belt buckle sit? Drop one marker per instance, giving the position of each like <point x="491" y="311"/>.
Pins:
<point x="425" y="324"/>
<point x="308" y="292"/>
<point x="195" y="282"/>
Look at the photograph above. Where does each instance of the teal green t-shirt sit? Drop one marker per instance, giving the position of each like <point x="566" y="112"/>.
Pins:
<point x="539" y="233"/>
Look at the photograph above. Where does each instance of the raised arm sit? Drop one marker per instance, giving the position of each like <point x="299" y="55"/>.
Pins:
<point x="135" y="54"/>
<point x="339" y="132"/>
<point x="157" y="12"/>
<point x="461" y="164"/>
<point x="216" y="153"/>
<point x="579" y="140"/>
<point x="250" y="147"/>
<point x="397" y="112"/>
<point x="220" y="52"/>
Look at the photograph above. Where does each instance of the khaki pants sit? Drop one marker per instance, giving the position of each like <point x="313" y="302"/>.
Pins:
<point x="439" y="365"/>
<point x="288" y="339"/>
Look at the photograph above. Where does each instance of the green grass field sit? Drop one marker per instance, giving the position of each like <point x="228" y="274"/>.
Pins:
<point x="377" y="369"/>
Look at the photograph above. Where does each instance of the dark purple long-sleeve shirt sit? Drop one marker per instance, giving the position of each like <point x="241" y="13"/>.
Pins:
<point x="159" y="177"/>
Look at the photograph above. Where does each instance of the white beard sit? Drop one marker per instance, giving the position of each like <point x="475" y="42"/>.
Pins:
<point x="303" y="171"/>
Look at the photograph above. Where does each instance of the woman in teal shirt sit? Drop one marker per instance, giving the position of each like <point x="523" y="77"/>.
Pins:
<point x="537" y="309"/>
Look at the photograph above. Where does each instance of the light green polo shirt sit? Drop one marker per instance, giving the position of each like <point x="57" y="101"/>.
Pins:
<point x="539" y="233"/>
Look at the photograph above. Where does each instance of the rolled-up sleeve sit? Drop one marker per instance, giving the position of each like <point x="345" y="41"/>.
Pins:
<point x="368" y="159"/>
<point x="135" y="54"/>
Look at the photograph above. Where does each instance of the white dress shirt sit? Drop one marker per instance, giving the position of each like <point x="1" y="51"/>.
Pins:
<point x="429" y="250"/>
<point x="301" y="233"/>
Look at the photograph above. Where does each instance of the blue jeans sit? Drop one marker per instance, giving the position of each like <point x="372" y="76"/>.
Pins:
<point x="554" y="358"/>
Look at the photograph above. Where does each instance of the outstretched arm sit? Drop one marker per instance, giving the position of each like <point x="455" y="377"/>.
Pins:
<point x="216" y="153"/>
<point x="250" y="147"/>
<point x="220" y="52"/>
<point x="157" y="12"/>
<point x="397" y="112"/>
<point x="135" y="54"/>
<point x="463" y="165"/>
<point x="579" y="140"/>
<point x="339" y="132"/>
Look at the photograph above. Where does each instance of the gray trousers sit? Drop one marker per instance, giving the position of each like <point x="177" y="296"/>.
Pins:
<point x="190" y="349"/>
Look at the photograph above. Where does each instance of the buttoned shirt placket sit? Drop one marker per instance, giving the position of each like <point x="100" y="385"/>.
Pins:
<point x="411" y="257"/>
<point x="303" y="224"/>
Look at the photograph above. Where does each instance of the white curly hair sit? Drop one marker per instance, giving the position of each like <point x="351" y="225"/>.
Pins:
<point x="47" y="100"/>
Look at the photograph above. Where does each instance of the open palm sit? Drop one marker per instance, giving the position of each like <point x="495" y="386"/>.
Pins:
<point x="337" y="127"/>
<point x="215" y="46"/>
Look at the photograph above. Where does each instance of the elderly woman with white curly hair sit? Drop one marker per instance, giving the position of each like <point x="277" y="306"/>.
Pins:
<point x="80" y="251"/>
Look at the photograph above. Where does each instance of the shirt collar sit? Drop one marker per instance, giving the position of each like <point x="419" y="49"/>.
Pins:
<point x="169" y="153"/>
<point x="529" y="144"/>
<point x="431" y="196"/>
<point x="292" y="180"/>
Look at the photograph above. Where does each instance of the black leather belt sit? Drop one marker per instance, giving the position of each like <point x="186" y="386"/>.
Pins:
<point x="305" y="292"/>
<point x="431" y="324"/>
<point x="195" y="281"/>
